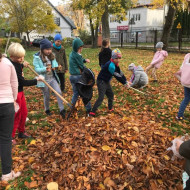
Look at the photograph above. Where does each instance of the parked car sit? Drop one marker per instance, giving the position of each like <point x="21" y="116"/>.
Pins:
<point x="36" y="42"/>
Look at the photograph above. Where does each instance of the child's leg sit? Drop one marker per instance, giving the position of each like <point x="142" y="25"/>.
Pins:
<point x="185" y="102"/>
<point x="24" y="113"/>
<point x="74" y="79"/>
<point x="6" y="127"/>
<point x="45" y="91"/>
<point x="62" y="80"/>
<point x="154" y="73"/>
<point x="17" y="115"/>
<point x="101" y="92"/>
<point x="54" y="84"/>
<point x="148" y="68"/>
<point x="110" y="95"/>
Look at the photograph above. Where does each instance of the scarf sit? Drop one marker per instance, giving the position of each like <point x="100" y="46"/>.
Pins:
<point x="56" y="47"/>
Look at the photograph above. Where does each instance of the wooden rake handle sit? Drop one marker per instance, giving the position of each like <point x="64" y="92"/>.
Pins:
<point x="63" y="99"/>
<point x="137" y="91"/>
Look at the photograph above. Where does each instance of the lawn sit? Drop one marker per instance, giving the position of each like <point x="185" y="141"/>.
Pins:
<point x="97" y="153"/>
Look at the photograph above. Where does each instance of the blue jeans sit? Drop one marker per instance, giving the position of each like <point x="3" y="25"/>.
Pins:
<point x="185" y="102"/>
<point x="54" y="84"/>
<point x="74" y="79"/>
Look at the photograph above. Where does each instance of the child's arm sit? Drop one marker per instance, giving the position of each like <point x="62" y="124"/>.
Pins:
<point x="178" y="75"/>
<point x="38" y="69"/>
<point x="136" y="79"/>
<point x="14" y="82"/>
<point x="160" y="58"/>
<point x="118" y="74"/>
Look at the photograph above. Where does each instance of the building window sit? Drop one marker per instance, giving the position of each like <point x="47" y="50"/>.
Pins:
<point x="136" y="17"/>
<point x="57" y="21"/>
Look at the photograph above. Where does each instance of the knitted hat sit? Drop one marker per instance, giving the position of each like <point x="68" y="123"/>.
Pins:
<point x="116" y="53"/>
<point x="45" y="44"/>
<point x="159" y="45"/>
<point x="131" y="66"/>
<point x="58" y="37"/>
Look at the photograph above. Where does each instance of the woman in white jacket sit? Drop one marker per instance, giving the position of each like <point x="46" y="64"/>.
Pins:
<point x="8" y="95"/>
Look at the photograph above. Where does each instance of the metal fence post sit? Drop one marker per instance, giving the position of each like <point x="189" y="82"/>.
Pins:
<point x="137" y="37"/>
<point x="155" y="38"/>
<point x="121" y="39"/>
<point x="179" y="39"/>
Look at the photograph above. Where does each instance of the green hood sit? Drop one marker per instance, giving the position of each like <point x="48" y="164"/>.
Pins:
<point x="76" y="44"/>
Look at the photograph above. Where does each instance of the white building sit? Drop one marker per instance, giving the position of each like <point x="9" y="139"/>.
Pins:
<point x="141" y="18"/>
<point x="65" y="24"/>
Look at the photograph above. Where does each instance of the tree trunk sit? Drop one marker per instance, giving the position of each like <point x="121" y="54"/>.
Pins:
<point x="96" y="36"/>
<point x="105" y="24"/>
<point x="168" y="24"/>
<point x="27" y="33"/>
<point x="92" y="32"/>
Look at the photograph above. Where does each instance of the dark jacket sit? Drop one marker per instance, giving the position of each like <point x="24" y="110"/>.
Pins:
<point x="85" y="84"/>
<point x="104" y="56"/>
<point x="184" y="150"/>
<point x="76" y="61"/>
<point x="110" y="69"/>
<point x="21" y="81"/>
<point x="61" y="59"/>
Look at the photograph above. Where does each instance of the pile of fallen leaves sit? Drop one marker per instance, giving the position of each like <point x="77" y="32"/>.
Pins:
<point x="108" y="152"/>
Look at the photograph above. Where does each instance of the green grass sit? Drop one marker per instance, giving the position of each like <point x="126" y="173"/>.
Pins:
<point x="162" y="103"/>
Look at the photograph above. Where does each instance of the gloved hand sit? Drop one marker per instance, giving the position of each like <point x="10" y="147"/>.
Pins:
<point x="40" y="78"/>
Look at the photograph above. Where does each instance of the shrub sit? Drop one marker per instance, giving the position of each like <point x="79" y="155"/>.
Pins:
<point x="67" y="42"/>
<point x="85" y="37"/>
<point x="3" y="41"/>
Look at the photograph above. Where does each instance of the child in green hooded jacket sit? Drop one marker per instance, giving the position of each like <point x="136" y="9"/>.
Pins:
<point x="76" y="66"/>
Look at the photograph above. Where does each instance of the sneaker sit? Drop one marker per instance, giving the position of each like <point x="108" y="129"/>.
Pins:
<point x="92" y="114"/>
<point x="27" y="119"/>
<point x="88" y="112"/>
<point x="10" y="176"/>
<point x="62" y="113"/>
<point x="23" y="135"/>
<point x="179" y="118"/>
<point x="13" y="141"/>
<point x="111" y="110"/>
<point x="48" y="112"/>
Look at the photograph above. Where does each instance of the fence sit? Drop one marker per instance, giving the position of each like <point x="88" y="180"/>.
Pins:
<point x="148" y="39"/>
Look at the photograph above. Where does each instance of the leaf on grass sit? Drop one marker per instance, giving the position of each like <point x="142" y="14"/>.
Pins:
<point x="106" y="147"/>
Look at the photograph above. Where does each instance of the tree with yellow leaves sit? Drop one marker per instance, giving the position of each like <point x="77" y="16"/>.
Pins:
<point x="173" y="5"/>
<point x="99" y="10"/>
<point x="27" y="15"/>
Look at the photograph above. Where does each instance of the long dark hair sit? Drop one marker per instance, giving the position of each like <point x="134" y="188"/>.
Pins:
<point x="50" y="57"/>
<point x="105" y="42"/>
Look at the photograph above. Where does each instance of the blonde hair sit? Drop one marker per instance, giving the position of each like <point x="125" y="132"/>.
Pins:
<point x="16" y="50"/>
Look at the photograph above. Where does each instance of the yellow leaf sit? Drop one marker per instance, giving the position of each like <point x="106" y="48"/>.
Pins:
<point x="105" y="148"/>
<point x="133" y="158"/>
<point x="7" y="187"/>
<point x="34" y="122"/>
<point x="88" y="125"/>
<point x="52" y="186"/>
<point x="167" y="157"/>
<point x="31" y="159"/>
<point x="101" y="186"/>
<point x="93" y="149"/>
<point x="33" y="142"/>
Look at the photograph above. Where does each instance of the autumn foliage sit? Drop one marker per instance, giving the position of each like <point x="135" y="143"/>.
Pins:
<point x="125" y="149"/>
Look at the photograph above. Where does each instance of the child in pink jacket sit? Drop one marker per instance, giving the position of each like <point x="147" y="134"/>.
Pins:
<point x="184" y="76"/>
<point x="158" y="59"/>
